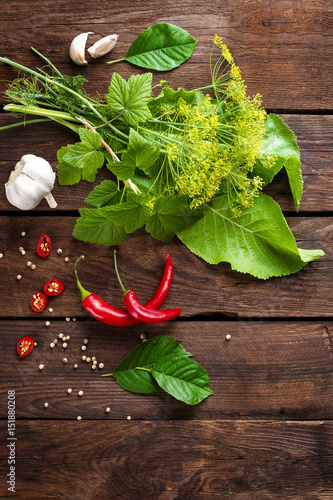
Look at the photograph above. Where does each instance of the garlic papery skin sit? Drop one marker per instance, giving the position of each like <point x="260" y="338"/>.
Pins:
<point x="30" y="182"/>
<point x="103" y="46"/>
<point x="78" y="47"/>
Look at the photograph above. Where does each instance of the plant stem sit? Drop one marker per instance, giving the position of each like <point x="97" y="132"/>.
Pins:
<point x="35" y="110"/>
<point x="143" y="369"/>
<point x="116" y="60"/>
<point x="27" y="122"/>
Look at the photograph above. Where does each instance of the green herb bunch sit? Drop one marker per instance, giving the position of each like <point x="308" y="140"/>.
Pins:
<point x="184" y="163"/>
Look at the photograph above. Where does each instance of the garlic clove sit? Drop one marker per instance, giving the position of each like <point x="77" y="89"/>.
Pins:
<point x="103" y="46"/>
<point x="78" y="47"/>
<point x="30" y="182"/>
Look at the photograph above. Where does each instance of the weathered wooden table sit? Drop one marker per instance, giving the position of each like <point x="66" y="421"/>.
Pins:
<point x="267" y="432"/>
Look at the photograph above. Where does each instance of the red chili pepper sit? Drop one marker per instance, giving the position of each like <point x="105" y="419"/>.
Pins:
<point x="24" y="346"/>
<point x="115" y="316"/>
<point x="44" y="246"/>
<point x="53" y="287"/>
<point x="141" y="312"/>
<point x="39" y="302"/>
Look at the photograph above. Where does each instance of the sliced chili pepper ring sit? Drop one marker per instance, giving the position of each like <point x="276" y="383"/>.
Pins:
<point x="25" y="345"/>
<point x="44" y="246"/>
<point x="39" y="302"/>
<point x="53" y="287"/>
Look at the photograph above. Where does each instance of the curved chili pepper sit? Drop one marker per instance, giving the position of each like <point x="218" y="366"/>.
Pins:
<point x="44" y="246"/>
<point x="146" y="315"/>
<point x="39" y="302"/>
<point x="116" y="316"/>
<point x="24" y="346"/>
<point x="141" y="312"/>
<point x="53" y="287"/>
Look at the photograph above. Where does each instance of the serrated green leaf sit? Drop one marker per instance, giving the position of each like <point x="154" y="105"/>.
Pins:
<point x="68" y="175"/>
<point x="161" y="47"/>
<point x="106" y="193"/>
<point x="121" y="170"/>
<point x="131" y="98"/>
<point x="281" y="142"/>
<point x="145" y="355"/>
<point x="183" y="378"/>
<point x="258" y="242"/>
<point x="140" y="153"/>
<point x="171" y="215"/>
<point x="131" y="214"/>
<point x="95" y="226"/>
<point x="92" y="139"/>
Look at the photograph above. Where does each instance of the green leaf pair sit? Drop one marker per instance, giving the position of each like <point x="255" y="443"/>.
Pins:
<point x="162" y="363"/>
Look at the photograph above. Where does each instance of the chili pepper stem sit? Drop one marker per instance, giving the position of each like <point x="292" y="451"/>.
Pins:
<point x="84" y="292"/>
<point x="117" y="273"/>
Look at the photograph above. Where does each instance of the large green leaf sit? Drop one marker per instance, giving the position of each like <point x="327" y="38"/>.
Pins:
<point x="96" y="226"/>
<point x="144" y="356"/>
<point x="258" y="242"/>
<point x="130" y="99"/>
<point x="281" y="142"/>
<point x="161" y="47"/>
<point x="171" y="214"/>
<point x="183" y="378"/>
<point x="106" y="193"/>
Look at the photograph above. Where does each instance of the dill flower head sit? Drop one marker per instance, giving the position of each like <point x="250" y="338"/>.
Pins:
<point x="210" y="146"/>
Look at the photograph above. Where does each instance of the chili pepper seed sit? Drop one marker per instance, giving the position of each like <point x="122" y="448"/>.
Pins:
<point x="47" y="323"/>
<point x="51" y="309"/>
<point x="52" y="345"/>
<point x="59" y="251"/>
<point x="18" y="277"/>
<point x="55" y="341"/>
<point x="84" y="358"/>
<point x="93" y="358"/>
<point x="64" y="345"/>
<point x="83" y="348"/>
<point x="23" y="233"/>
<point x="23" y="252"/>
<point x="228" y="336"/>
<point x="60" y="335"/>
<point x="107" y="410"/>
<point x="76" y="366"/>
<point x="80" y="393"/>
<point x="29" y="263"/>
<point x="78" y="418"/>
<point x="65" y="360"/>
<point x="73" y="319"/>
<point x="68" y="320"/>
<point x="69" y="391"/>
<point x="129" y="417"/>
<point x="85" y="341"/>
<point x="46" y="405"/>
<point x="33" y="266"/>
<point x="142" y="336"/>
<point x="1" y="255"/>
<point x="101" y="365"/>
<point x="88" y="360"/>
<point x="21" y="249"/>
<point x="41" y="366"/>
<point x="66" y="259"/>
<point x="93" y="367"/>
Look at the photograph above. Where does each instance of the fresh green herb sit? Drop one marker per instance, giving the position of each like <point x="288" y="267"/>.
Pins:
<point x="162" y="363"/>
<point x="161" y="47"/>
<point x="186" y="163"/>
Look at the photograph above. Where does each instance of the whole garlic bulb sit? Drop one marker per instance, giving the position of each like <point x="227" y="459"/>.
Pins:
<point x="30" y="182"/>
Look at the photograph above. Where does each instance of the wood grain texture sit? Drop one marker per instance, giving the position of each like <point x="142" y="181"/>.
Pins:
<point x="282" y="47"/>
<point x="267" y="370"/>
<point x="197" y="287"/>
<point x="152" y="460"/>
<point x="314" y="136"/>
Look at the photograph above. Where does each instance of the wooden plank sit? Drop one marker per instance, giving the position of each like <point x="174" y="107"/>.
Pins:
<point x="152" y="460"/>
<point x="314" y="135"/>
<point x="267" y="370"/>
<point x="283" y="48"/>
<point x="199" y="288"/>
